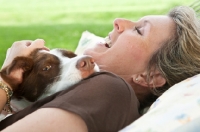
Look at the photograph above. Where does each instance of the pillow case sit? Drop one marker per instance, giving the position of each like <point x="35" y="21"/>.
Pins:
<point x="87" y="40"/>
<point x="177" y="110"/>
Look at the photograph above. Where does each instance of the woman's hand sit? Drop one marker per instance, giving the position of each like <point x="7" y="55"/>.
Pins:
<point x="19" y="48"/>
<point x="22" y="48"/>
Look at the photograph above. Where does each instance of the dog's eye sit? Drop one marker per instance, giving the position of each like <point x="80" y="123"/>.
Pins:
<point x="46" y="68"/>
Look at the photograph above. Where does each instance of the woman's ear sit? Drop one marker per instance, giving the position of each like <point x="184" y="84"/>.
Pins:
<point x="155" y="79"/>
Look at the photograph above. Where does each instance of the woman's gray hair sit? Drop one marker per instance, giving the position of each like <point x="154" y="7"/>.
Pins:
<point x="179" y="57"/>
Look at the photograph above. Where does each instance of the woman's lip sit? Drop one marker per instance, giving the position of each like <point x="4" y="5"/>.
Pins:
<point x="104" y="44"/>
<point x="101" y="43"/>
<point x="107" y="41"/>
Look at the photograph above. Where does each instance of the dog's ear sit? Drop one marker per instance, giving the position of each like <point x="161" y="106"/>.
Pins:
<point x="67" y="53"/>
<point x="13" y="73"/>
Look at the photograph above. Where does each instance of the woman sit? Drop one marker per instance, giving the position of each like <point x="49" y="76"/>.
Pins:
<point x="163" y="51"/>
<point x="151" y="54"/>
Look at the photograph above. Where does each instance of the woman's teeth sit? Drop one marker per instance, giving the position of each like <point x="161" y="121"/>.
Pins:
<point x="108" y="42"/>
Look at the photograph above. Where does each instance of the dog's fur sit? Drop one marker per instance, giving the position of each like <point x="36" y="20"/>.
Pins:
<point x="43" y="73"/>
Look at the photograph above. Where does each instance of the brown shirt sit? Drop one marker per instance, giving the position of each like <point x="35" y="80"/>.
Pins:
<point x="104" y="101"/>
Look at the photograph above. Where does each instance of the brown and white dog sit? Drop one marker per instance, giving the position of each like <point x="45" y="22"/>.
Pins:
<point x="44" y="73"/>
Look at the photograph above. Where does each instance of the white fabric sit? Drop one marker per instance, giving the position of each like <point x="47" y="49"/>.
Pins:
<point x="177" y="110"/>
<point x="87" y="40"/>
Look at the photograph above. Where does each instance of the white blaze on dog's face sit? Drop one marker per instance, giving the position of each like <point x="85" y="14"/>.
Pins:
<point x="72" y="70"/>
<point x="51" y="72"/>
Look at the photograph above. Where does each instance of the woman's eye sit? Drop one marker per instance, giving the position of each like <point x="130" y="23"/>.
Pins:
<point x="138" y="30"/>
<point x="46" y="68"/>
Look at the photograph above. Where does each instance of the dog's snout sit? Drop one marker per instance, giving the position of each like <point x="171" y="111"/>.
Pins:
<point x="85" y="63"/>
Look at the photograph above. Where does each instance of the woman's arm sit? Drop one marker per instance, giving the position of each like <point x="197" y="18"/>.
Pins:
<point x="3" y="98"/>
<point x="49" y="120"/>
<point x="45" y="119"/>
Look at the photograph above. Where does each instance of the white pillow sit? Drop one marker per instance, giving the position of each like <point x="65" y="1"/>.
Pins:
<point x="177" y="110"/>
<point x="87" y="40"/>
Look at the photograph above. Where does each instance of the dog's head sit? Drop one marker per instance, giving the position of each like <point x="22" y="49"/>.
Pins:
<point x="46" y="72"/>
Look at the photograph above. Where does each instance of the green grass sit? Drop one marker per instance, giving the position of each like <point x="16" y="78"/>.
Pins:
<point x="61" y="22"/>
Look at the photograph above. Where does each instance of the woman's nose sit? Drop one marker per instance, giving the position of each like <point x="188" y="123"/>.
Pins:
<point x="120" y="24"/>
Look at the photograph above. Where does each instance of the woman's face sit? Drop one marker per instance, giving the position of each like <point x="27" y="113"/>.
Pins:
<point x="132" y="44"/>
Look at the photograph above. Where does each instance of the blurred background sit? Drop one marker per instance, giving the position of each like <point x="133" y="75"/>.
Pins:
<point x="61" y="22"/>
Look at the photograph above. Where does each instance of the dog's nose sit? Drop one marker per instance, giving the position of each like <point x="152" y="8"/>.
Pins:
<point x="85" y="63"/>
